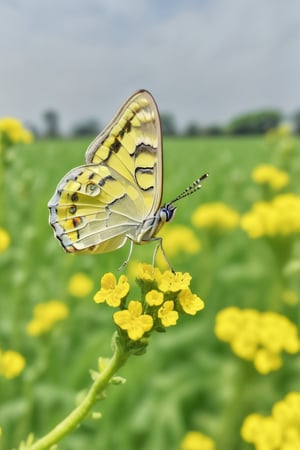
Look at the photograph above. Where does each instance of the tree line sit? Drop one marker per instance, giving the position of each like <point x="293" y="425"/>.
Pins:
<point x="253" y="123"/>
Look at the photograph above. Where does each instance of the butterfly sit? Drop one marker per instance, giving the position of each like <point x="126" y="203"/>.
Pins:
<point x="116" y="195"/>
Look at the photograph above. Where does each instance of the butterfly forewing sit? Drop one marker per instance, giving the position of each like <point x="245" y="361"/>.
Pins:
<point x="98" y="205"/>
<point x="131" y="145"/>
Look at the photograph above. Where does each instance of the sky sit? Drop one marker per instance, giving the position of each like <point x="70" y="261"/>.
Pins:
<point x="204" y="61"/>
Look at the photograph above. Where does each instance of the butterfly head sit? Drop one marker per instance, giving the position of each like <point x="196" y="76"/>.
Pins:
<point x="167" y="212"/>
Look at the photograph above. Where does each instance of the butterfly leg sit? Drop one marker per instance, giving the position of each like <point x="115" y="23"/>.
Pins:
<point x="159" y="245"/>
<point x="128" y="257"/>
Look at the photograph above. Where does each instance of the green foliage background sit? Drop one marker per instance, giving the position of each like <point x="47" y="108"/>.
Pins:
<point x="187" y="380"/>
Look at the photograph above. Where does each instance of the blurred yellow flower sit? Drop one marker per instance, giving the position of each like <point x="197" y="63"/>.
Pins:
<point x="194" y="440"/>
<point x="244" y="345"/>
<point x="112" y="292"/>
<point x="263" y="432"/>
<point x="271" y="176"/>
<point x="45" y="315"/>
<point x="133" y="320"/>
<point x="80" y="285"/>
<point x="11" y="363"/>
<point x="287" y="411"/>
<point x="189" y="302"/>
<point x="173" y="282"/>
<point x="13" y="130"/>
<point x="280" y="430"/>
<point x="167" y="314"/>
<point x="278" y="333"/>
<point x="218" y="216"/>
<point x="178" y="239"/>
<point x="266" y="361"/>
<point x="4" y="240"/>
<point x="290" y="297"/>
<point x="281" y="216"/>
<point x="257" y="336"/>
<point x="284" y="130"/>
<point x="228" y="323"/>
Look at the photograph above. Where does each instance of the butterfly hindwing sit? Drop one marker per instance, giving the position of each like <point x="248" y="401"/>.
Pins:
<point x="97" y="205"/>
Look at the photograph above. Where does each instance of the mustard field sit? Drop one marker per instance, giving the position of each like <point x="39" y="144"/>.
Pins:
<point x="223" y="376"/>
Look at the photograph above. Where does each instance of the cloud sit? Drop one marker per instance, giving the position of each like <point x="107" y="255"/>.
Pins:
<point x="203" y="60"/>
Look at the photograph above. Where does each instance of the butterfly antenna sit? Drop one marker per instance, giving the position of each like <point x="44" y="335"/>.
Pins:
<point x="195" y="186"/>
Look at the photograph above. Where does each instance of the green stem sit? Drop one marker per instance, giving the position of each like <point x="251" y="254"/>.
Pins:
<point x="78" y="414"/>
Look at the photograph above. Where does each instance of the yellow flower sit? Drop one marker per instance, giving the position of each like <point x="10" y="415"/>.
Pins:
<point x="266" y="361"/>
<point x="217" y="216"/>
<point x="262" y="431"/>
<point x="147" y="273"/>
<point x="190" y="302"/>
<point x="260" y="337"/>
<point x="194" y="440"/>
<point x="14" y="131"/>
<point x="270" y="175"/>
<point x="280" y="430"/>
<point x="133" y="321"/>
<point x="228" y="323"/>
<point x="45" y="315"/>
<point x="280" y="217"/>
<point x="154" y="297"/>
<point x="80" y="285"/>
<point x="173" y="282"/>
<point x="277" y="333"/>
<point x="4" y="240"/>
<point x="11" y="363"/>
<point x="167" y="314"/>
<point x="251" y="427"/>
<point x="244" y="345"/>
<point x="287" y="411"/>
<point x="179" y="238"/>
<point x="112" y="292"/>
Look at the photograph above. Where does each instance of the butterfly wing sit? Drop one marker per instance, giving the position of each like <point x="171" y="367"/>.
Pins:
<point x="131" y="145"/>
<point x="98" y="205"/>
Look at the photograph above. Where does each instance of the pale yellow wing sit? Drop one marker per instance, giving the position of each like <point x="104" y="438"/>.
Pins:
<point x="97" y="206"/>
<point x="131" y="145"/>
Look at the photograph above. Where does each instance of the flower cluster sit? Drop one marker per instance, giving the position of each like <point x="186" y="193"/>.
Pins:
<point x="279" y="217"/>
<point x="80" y="285"/>
<point x="164" y="296"/>
<point x="217" y="216"/>
<point x="194" y="440"/>
<point x="13" y="132"/>
<point x="11" y="363"/>
<point x="271" y="176"/>
<point x="45" y="315"/>
<point x="280" y="430"/>
<point x="4" y="240"/>
<point x="258" y="337"/>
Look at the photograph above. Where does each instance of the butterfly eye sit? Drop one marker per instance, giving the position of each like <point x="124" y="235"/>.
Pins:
<point x="92" y="189"/>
